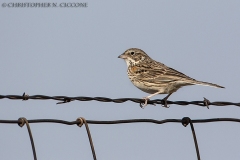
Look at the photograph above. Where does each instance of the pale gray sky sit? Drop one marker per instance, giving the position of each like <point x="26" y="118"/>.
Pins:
<point x="73" y="52"/>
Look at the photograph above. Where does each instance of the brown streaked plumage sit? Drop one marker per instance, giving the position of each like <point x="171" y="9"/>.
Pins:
<point x="154" y="77"/>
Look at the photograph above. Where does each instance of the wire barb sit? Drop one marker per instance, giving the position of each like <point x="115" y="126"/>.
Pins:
<point x="206" y="102"/>
<point x="25" y="96"/>
<point x="65" y="100"/>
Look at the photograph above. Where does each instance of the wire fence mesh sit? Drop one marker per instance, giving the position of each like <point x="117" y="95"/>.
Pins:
<point x="185" y="121"/>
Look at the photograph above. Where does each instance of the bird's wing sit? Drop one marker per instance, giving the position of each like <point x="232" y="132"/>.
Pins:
<point x="160" y="73"/>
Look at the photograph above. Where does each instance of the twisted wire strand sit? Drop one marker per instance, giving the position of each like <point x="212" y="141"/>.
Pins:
<point x="65" y="99"/>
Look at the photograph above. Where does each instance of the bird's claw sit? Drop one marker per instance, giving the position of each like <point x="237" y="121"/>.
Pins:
<point x="165" y="103"/>
<point x="143" y="105"/>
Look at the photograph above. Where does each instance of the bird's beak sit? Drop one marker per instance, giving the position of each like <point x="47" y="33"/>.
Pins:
<point x="122" y="56"/>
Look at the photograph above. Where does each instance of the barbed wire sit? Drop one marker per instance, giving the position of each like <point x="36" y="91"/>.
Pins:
<point x="80" y="121"/>
<point x="65" y="99"/>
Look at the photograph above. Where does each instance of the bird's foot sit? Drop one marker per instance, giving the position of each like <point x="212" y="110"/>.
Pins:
<point x="165" y="103"/>
<point x="143" y="105"/>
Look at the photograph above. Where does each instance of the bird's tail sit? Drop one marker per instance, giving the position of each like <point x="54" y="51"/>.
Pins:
<point x="207" y="84"/>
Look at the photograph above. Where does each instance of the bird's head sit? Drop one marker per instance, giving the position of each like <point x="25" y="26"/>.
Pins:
<point x="134" y="56"/>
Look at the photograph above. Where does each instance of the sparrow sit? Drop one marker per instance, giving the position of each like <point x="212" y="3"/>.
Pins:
<point x="154" y="77"/>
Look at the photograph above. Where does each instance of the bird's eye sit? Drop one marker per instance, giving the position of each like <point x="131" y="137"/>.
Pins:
<point x="132" y="53"/>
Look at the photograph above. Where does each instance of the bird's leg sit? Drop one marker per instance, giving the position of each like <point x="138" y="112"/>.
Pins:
<point x="165" y="100"/>
<point x="148" y="98"/>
